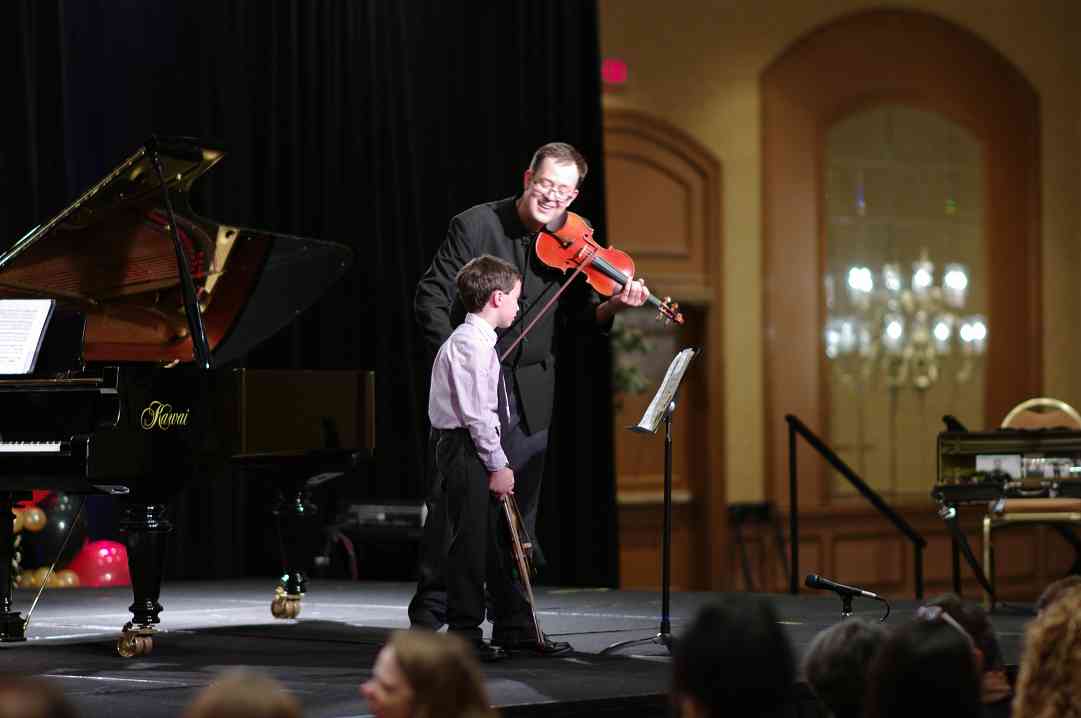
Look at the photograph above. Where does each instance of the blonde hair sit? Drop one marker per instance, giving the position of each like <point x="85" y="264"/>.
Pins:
<point x="1049" y="685"/>
<point x="244" y="694"/>
<point x="443" y="673"/>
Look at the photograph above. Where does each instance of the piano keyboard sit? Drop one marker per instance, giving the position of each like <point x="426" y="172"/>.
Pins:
<point x="30" y="447"/>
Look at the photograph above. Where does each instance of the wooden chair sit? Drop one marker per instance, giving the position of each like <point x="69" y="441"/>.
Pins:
<point x="1038" y="413"/>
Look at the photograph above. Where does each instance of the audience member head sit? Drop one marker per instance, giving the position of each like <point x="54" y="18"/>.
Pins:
<point x="423" y="674"/>
<point x="1049" y="684"/>
<point x="733" y="659"/>
<point x="1055" y="590"/>
<point x="244" y="694"/>
<point x="22" y="697"/>
<point x="925" y="667"/>
<point x="836" y="663"/>
<point x="973" y="618"/>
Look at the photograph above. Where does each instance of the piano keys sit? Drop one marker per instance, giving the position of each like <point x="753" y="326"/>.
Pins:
<point x="35" y="448"/>
<point x="118" y="403"/>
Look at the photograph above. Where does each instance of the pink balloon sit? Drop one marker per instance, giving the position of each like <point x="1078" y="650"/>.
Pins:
<point x="102" y="563"/>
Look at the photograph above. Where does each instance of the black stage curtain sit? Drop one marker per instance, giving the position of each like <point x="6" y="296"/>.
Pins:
<point x="367" y="123"/>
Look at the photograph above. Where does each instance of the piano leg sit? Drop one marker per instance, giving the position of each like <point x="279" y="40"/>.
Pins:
<point x="12" y="624"/>
<point x="293" y="515"/>
<point x="146" y="528"/>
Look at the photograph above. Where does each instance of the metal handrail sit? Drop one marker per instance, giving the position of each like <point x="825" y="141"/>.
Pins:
<point x="795" y="426"/>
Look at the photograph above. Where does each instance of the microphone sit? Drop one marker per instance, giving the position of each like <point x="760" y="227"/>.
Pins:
<point x="813" y="580"/>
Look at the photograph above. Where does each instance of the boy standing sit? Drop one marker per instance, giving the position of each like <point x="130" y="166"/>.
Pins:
<point x="463" y="407"/>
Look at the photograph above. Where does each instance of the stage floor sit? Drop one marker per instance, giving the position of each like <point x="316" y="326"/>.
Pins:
<point x="326" y="653"/>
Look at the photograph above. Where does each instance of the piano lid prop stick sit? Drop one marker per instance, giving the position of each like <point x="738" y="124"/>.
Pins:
<point x="199" y="345"/>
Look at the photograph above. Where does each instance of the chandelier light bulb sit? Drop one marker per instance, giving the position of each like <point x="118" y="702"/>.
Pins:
<point x="860" y="279"/>
<point x="860" y="285"/>
<point x="922" y="278"/>
<point x="942" y="331"/>
<point x="974" y="334"/>
<point x="893" y="336"/>
<point x="955" y="285"/>
<point x="891" y="278"/>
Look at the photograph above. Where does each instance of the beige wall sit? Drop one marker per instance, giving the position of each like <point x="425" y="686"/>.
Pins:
<point x="696" y="64"/>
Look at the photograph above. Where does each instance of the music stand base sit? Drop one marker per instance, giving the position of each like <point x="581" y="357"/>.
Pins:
<point x="661" y="639"/>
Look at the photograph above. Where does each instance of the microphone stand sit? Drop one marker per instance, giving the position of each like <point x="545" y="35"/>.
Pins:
<point x="664" y="634"/>
<point x="846" y="605"/>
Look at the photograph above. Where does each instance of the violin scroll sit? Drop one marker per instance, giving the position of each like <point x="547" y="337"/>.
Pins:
<point x="668" y="311"/>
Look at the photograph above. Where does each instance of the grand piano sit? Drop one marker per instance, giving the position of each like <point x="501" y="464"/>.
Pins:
<point x="127" y="397"/>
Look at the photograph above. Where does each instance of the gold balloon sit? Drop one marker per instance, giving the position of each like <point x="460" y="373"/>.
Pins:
<point x="39" y="575"/>
<point x="20" y="518"/>
<point x="66" y="578"/>
<point x="26" y="579"/>
<point x="34" y="519"/>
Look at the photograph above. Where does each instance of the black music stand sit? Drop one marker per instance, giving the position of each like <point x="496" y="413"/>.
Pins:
<point x="661" y="408"/>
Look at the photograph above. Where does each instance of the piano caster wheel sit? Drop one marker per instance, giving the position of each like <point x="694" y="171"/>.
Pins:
<point x="134" y="642"/>
<point x="284" y="605"/>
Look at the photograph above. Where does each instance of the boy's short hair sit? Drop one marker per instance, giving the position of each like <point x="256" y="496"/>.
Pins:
<point x="480" y="277"/>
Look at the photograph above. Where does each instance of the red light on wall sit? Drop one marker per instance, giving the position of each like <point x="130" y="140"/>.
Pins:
<point x="613" y="71"/>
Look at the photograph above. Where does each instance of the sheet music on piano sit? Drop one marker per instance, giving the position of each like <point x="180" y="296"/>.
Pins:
<point x="22" y="328"/>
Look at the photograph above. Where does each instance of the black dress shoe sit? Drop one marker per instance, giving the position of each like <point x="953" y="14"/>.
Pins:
<point x="488" y="653"/>
<point x="545" y="647"/>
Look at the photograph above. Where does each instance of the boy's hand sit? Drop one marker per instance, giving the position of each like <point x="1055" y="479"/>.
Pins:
<point x="501" y="482"/>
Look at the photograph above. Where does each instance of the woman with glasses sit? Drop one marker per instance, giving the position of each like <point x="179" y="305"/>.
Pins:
<point x="507" y="229"/>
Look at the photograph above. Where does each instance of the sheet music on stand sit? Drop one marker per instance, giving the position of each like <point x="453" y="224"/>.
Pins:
<point x="654" y="414"/>
<point x="22" y="329"/>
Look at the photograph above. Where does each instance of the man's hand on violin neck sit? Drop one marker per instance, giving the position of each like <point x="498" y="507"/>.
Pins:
<point x="633" y="294"/>
<point x="501" y="482"/>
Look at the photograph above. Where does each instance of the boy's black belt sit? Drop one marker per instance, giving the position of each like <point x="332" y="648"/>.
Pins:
<point x="449" y="432"/>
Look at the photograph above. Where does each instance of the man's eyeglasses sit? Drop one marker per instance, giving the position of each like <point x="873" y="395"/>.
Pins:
<point x="937" y="613"/>
<point x="549" y="189"/>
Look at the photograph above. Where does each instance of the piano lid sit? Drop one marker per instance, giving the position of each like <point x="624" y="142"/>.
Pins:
<point x="110" y="253"/>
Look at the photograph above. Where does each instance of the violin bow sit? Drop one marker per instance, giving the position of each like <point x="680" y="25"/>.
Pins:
<point x="543" y="310"/>
<point x="521" y="552"/>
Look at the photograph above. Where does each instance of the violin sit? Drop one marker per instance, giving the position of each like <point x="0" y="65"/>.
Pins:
<point x="572" y="247"/>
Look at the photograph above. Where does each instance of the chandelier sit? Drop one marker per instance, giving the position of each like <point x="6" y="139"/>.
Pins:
<point x="904" y="328"/>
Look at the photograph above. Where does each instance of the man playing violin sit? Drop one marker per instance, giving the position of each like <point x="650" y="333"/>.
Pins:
<point x="507" y="229"/>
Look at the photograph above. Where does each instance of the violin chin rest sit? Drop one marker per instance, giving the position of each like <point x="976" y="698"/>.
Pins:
<point x="557" y="223"/>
